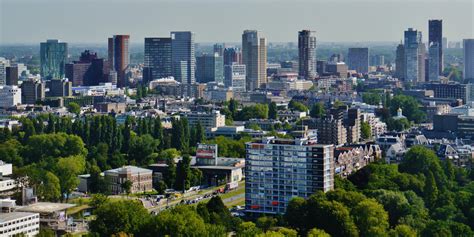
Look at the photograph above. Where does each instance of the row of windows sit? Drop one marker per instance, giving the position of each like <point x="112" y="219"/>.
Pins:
<point x="19" y="220"/>
<point x="19" y="228"/>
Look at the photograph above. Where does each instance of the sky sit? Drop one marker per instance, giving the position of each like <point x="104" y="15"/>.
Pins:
<point x="92" y="21"/>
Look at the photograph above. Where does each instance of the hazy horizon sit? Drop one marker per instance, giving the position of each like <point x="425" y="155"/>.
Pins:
<point x="341" y="21"/>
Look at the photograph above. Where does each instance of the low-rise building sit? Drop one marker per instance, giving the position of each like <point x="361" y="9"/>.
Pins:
<point x="19" y="224"/>
<point x="207" y="120"/>
<point x="141" y="179"/>
<point x="10" y="96"/>
<point x="349" y="159"/>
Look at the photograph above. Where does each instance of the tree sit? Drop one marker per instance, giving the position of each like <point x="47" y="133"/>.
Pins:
<point x="74" y="108"/>
<point x="142" y="148"/>
<point x="295" y="214"/>
<point x="265" y="222"/>
<point x="272" y="111"/>
<point x="183" y="173"/>
<point x="317" y="110"/>
<point x="431" y="190"/>
<point x="10" y="152"/>
<point x="402" y="231"/>
<point x="127" y="186"/>
<point x="295" y="105"/>
<point x="50" y="189"/>
<point x="119" y="216"/>
<point x="67" y="170"/>
<point x="247" y="229"/>
<point x="315" y="232"/>
<point x="365" y="130"/>
<point x="370" y="218"/>
<point x="410" y="108"/>
<point x="371" y="98"/>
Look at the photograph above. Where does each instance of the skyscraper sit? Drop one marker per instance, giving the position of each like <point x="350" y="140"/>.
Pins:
<point x="119" y="57"/>
<point x="219" y="49"/>
<point x="234" y="76"/>
<point x="32" y="91"/>
<point x="232" y="55"/>
<point x="400" y="62"/>
<point x="307" y="54"/>
<point x="183" y="56"/>
<point x="254" y="55"/>
<point x="433" y="62"/>
<point x="210" y="68"/>
<point x="89" y="70"/>
<point x="414" y="56"/>
<point x="468" y="59"/>
<point x="53" y="58"/>
<point x="158" y="58"/>
<point x="358" y="59"/>
<point x="435" y="37"/>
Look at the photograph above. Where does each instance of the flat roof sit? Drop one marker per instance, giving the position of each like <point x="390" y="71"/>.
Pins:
<point x="129" y="168"/>
<point x="217" y="167"/>
<point x="5" y="217"/>
<point x="45" y="207"/>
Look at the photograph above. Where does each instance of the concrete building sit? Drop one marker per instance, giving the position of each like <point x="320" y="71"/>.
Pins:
<point x="53" y="58"/>
<point x="254" y="57"/>
<point x="400" y="62"/>
<point x="4" y="63"/>
<point x="331" y="130"/>
<point x="19" y="223"/>
<point x="435" y="39"/>
<point x="307" y="54"/>
<point x="10" y="96"/>
<point x="32" y="91"/>
<point x="183" y="56"/>
<point x="210" y="68"/>
<point x="235" y="76"/>
<point x="207" y="120"/>
<point x="59" y="88"/>
<point x="141" y="179"/>
<point x="119" y="57"/>
<point x="358" y="59"/>
<point x="11" y="75"/>
<point x="277" y="170"/>
<point x="414" y="56"/>
<point x="338" y="69"/>
<point x="468" y="50"/>
<point x="158" y="59"/>
<point x="89" y="70"/>
<point x="450" y="91"/>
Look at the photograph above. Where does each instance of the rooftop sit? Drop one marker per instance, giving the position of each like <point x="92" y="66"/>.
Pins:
<point x="4" y="217"/>
<point x="128" y="168"/>
<point x="45" y="207"/>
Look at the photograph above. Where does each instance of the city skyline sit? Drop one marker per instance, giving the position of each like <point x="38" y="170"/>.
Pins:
<point x="146" y="19"/>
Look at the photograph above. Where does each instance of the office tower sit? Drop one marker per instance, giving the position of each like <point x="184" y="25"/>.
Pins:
<point x="219" y="49"/>
<point x="307" y="54"/>
<point x="59" y="88"/>
<point x="232" y="55"/>
<point x="414" y="56"/>
<point x="400" y="62"/>
<point x="450" y="90"/>
<point x="321" y="67"/>
<point x="88" y="71"/>
<point x="210" y="68"/>
<point x="276" y="170"/>
<point x="119" y="57"/>
<point x="32" y="91"/>
<point x="468" y="49"/>
<point x="234" y="76"/>
<point x="4" y="63"/>
<point x="11" y="75"/>
<point x="158" y="58"/>
<point x="358" y="59"/>
<point x="254" y="55"/>
<point x="433" y="62"/>
<point x="10" y="96"/>
<point x="53" y="58"/>
<point x="183" y="56"/>
<point x="337" y="57"/>
<point x="377" y="60"/>
<point x="435" y="37"/>
<point x="338" y="69"/>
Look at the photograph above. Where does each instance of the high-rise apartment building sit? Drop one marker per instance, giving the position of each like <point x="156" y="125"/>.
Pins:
<point x="400" y="62"/>
<point x="307" y="54"/>
<point x="183" y="56"/>
<point x="254" y="56"/>
<point x="358" y="59"/>
<point x="414" y="56"/>
<point x="468" y="49"/>
<point x="232" y="55"/>
<point x="158" y="59"/>
<point x="234" y="76"/>
<point x="210" y="68"/>
<point x="276" y="170"/>
<point x="53" y="59"/>
<point x="32" y="91"/>
<point x="4" y="63"/>
<point x="119" y="57"/>
<point x="435" y="37"/>
<point x="331" y="130"/>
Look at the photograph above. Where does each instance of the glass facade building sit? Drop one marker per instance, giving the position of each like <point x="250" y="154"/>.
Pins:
<point x="53" y="58"/>
<point x="210" y="68"/>
<point x="158" y="58"/>
<point x="183" y="51"/>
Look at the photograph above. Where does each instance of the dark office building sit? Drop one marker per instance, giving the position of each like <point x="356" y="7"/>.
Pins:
<point x="11" y="73"/>
<point x="232" y="55"/>
<point x="59" y="88"/>
<point x="31" y="92"/>
<point x="449" y="91"/>
<point x="358" y="59"/>
<point x="435" y="37"/>
<point x="119" y="57"/>
<point x="321" y="67"/>
<point x="89" y="70"/>
<point x="307" y="54"/>
<point x="400" y="62"/>
<point x="219" y="49"/>
<point x="210" y="68"/>
<point x="158" y="61"/>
